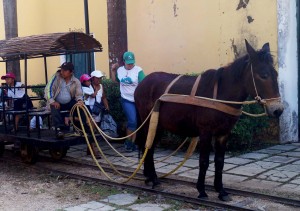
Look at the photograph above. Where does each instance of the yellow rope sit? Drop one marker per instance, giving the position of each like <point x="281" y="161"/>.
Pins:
<point x="98" y="129"/>
<point x="86" y="112"/>
<point x="89" y="146"/>
<point x="188" y="154"/>
<point x="162" y="160"/>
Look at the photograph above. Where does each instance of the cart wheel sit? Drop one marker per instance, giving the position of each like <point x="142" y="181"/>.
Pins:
<point x="58" y="153"/>
<point x="2" y="148"/>
<point x="29" y="153"/>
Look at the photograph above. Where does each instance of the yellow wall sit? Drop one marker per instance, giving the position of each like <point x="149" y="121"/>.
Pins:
<point x="186" y="36"/>
<point x="49" y="16"/>
<point x="179" y="36"/>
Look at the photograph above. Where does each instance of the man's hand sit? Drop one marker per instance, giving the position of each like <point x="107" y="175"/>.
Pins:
<point x="80" y="102"/>
<point x="56" y="105"/>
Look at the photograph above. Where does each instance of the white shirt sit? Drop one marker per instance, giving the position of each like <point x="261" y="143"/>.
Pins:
<point x="91" y="100"/>
<point x="129" y="80"/>
<point x="16" y="91"/>
<point x="88" y="91"/>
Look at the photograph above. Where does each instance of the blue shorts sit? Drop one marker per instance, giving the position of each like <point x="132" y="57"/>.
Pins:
<point x="130" y="113"/>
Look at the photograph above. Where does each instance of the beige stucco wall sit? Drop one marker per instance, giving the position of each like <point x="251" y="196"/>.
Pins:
<point x="187" y="36"/>
<point x="179" y="36"/>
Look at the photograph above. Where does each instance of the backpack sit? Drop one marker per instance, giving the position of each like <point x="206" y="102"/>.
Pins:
<point x="108" y="125"/>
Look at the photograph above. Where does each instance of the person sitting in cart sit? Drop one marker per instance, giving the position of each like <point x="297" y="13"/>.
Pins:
<point x="62" y="92"/>
<point x="16" y="92"/>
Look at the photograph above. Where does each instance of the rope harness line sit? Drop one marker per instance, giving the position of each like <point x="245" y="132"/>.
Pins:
<point x="90" y="123"/>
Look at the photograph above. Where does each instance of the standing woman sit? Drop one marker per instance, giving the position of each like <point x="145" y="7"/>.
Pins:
<point x="129" y="76"/>
<point x="99" y="93"/>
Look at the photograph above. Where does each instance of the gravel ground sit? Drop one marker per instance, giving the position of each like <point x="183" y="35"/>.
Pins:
<point x="25" y="189"/>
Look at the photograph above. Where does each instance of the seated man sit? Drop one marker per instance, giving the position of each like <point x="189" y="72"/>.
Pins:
<point x="62" y="92"/>
<point x="16" y="92"/>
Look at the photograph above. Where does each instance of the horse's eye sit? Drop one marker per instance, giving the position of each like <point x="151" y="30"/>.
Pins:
<point x="264" y="75"/>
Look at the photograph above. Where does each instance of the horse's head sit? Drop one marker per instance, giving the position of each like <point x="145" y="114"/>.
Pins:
<point x="262" y="82"/>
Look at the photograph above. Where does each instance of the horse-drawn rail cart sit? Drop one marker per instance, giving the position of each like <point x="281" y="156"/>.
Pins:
<point x="24" y="49"/>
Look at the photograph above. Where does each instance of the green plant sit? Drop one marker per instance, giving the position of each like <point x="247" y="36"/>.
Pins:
<point x="113" y="96"/>
<point x="243" y="135"/>
<point x="38" y="89"/>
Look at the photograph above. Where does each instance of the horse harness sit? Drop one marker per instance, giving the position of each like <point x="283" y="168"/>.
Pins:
<point x="195" y="100"/>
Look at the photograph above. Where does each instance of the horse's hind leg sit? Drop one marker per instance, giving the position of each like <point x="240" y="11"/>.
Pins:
<point x="205" y="147"/>
<point x="220" y="147"/>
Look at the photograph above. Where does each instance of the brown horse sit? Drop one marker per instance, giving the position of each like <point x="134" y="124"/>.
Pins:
<point x="252" y="74"/>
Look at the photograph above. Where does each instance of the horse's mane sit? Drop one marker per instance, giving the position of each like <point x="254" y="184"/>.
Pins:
<point x="237" y="67"/>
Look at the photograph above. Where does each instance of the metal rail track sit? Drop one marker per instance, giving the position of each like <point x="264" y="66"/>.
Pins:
<point x="180" y="197"/>
<point x="175" y="180"/>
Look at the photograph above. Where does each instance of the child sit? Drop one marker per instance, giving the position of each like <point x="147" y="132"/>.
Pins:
<point x="88" y="95"/>
<point x="88" y="91"/>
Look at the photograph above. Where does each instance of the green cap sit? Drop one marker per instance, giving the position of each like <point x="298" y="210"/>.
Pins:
<point x="129" y="57"/>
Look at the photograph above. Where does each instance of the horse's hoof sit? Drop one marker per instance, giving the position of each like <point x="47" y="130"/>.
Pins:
<point x="225" y="197"/>
<point x="155" y="184"/>
<point x="203" y="195"/>
<point x="147" y="181"/>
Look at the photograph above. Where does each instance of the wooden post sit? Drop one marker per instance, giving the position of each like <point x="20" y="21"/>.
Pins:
<point x="11" y="30"/>
<point x="117" y="30"/>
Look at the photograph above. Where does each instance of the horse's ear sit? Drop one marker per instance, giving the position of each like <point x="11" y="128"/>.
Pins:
<point x="251" y="52"/>
<point x="266" y="47"/>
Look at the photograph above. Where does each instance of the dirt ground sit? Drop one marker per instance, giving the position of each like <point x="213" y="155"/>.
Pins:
<point x="25" y="189"/>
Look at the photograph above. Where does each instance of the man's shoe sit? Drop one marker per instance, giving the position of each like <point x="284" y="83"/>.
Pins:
<point x="60" y="135"/>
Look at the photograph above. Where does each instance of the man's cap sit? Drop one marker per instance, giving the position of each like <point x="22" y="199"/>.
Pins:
<point x="84" y="77"/>
<point x="97" y="74"/>
<point x="67" y="66"/>
<point x="129" y="57"/>
<point x="8" y="75"/>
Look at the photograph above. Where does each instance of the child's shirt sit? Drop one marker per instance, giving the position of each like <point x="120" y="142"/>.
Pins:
<point x="87" y="91"/>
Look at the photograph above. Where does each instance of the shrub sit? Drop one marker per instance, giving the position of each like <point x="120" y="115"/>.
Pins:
<point x="113" y="95"/>
<point x="39" y="91"/>
<point x="243" y="135"/>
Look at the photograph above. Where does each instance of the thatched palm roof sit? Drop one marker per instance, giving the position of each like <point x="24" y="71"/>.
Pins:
<point x="48" y="45"/>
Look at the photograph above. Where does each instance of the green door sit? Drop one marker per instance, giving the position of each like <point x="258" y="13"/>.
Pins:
<point x="81" y="63"/>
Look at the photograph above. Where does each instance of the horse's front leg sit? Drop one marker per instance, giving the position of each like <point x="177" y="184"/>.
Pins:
<point x="149" y="169"/>
<point x="220" y="148"/>
<point x="205" y="147"/>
